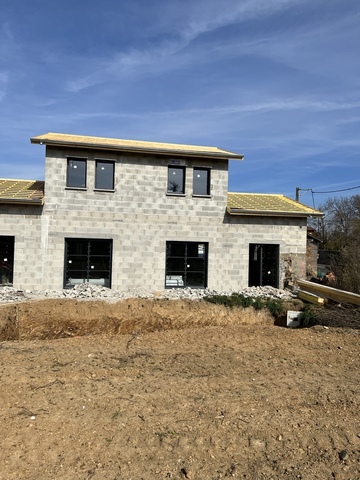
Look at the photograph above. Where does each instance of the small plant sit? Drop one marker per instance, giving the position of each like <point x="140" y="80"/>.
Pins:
<point x="309" y="316"/>
<point x="163" y="435"/>
<point x="275" y="307"/>
<point x="115" y="415"/>
<point x="258" y="303"/>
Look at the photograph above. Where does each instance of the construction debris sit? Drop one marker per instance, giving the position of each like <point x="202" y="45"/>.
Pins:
<point x="327" y="293"/>
<point x="311" y="297"/>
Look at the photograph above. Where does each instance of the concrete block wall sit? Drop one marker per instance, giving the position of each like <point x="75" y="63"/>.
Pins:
<point x="23" y="222"/>
<point x="140" y="217"/>
<point x="140" y="185"/>
<point x="139" y="247"/>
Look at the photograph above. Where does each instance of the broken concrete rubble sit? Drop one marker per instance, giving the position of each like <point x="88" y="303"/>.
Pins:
<point x="87" y="291"/>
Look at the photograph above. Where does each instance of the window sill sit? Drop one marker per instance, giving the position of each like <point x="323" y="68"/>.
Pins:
<point x="169" y="194"/>
<point x="106" y="190"/>
<point x="201" y="196"/>
<point x="83" y="189"/>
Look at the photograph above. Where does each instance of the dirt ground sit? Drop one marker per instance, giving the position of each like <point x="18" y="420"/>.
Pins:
<point x="143" y="390"/>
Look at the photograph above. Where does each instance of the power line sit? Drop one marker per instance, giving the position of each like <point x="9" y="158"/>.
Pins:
<point x="335" y="191"/>
<point x="329" y="191"/>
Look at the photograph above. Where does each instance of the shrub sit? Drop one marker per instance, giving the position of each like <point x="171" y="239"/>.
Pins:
<point x="275" y="306"/>
<point x="309" y="315"/>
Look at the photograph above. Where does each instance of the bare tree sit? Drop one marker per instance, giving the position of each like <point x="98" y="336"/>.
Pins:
<point x="341" y="233"/>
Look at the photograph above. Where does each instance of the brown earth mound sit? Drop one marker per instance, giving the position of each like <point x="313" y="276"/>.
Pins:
<point x="48" y="319"/>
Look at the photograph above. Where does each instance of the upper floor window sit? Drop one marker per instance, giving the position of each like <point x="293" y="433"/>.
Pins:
<point x="104" y="175"/>
<point x="201" y="181"/>
<point x="176" y="179"/>
<point x="76" y="173"/>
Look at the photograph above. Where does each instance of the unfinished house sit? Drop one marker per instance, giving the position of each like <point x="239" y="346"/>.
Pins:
<point x="125" y="214"/>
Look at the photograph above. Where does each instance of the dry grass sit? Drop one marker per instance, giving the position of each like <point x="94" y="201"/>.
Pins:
<point x="49" y="319"/>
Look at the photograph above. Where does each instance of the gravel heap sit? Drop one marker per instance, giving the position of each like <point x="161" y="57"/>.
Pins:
<point x="87" y="291"/>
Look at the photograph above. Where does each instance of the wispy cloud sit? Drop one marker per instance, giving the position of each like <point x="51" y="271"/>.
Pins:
<point x="276" y="80"/>
<point x="195" y="19"/>
<point x="3" y="83"/>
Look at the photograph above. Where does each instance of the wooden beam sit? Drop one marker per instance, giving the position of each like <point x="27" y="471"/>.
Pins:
<point x="329" y="292"/>
<point x="311" y="297"/>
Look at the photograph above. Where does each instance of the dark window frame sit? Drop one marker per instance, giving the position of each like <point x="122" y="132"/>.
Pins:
<point x="71" y="181"/>
<point x="171" y="185"/>
<point x="186" y="264"/>
<point x="87" y="265"/>
<point x="207" y="191"/>
<point x="111" y="185"/>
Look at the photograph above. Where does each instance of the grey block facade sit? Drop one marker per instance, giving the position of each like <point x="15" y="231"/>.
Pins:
<point x="139" y="216"/>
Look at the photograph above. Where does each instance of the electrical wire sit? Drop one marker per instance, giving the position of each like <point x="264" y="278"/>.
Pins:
<point x="329" y="191"/>
<point x="333" y="191"/>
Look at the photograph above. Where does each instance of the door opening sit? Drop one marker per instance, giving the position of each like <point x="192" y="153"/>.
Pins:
<point x="6" y="260"/>
<point x="263" y="265"/>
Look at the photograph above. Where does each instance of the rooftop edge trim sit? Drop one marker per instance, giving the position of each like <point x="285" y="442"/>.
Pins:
<point x="136" y="146"/>
<point x="271" y="213"/>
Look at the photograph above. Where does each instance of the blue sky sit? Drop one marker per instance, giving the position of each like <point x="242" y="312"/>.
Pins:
<point x="276" y="80"/>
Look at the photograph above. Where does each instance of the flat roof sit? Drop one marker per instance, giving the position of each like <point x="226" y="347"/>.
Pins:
<point x="136" y="146"/>
<point x="21" y="191"/>
<point x="263" y="204"/>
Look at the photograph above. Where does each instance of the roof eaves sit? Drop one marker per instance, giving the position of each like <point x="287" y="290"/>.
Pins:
<point x="22" y="201"/>
<point x="221" y="154"/>
<point x="270" y="213"/>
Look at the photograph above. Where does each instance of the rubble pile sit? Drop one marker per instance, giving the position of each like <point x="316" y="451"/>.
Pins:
<point x="87" y="291"/>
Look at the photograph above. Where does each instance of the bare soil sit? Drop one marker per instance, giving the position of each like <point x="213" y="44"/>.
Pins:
<point x="147" y="390"/>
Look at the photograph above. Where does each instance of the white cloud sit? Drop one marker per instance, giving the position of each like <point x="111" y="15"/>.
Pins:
<point x="185" y="23"/>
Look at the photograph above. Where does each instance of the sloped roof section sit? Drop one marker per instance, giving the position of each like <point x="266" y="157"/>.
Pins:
<point x="21" y="191"/>
<point x="136" y="146"/>
<point x="273" y="205"/>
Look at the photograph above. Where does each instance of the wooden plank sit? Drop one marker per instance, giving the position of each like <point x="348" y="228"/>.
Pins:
<point x="329" y="292"/>
<point x="311" y="297"/>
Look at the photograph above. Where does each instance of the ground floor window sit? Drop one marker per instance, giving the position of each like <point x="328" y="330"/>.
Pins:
<point x="6" y="260"/>
<point x="186" y="264"/>
<point x="263" y="265"/>
<point x="87" y="260"/>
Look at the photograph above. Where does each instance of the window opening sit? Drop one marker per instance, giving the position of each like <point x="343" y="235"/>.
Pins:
<point x="76" y="173"/>
<point x="176" y="179"/>
<point x="186" y="264"/>
<point x="104" y="175"/>
<point x="87" y="261"/>
<point x="201" y="181"/>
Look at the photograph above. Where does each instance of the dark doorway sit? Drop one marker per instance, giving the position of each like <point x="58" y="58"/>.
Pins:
<point x="263" y="265"/>
<point x="6" y="260"/>
<point x="87" y="260"/>
<point x="186" y="264"/>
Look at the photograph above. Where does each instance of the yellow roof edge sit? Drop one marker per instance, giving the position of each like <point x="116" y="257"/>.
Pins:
<point x="20" y="180"/>
<point x="308" y="211"/>
<point x="51" y="138"/>
<point x="272" y="213"/>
